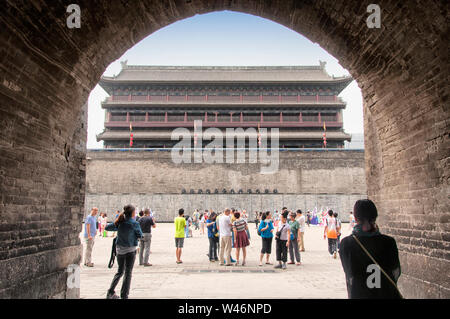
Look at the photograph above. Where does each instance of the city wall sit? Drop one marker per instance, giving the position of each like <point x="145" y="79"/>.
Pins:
<point x="149" y="178"/>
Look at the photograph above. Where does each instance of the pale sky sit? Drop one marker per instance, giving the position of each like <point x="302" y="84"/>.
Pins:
<point x="226" y="38"/>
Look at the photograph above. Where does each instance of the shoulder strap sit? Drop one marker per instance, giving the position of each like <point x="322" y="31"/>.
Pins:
<point x="375" y="262"/>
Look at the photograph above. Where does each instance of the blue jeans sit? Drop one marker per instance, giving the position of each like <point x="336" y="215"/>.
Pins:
<point x="213" y="247"/>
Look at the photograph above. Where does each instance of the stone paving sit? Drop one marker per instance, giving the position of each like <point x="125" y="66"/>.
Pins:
<point x="319" y="276"/>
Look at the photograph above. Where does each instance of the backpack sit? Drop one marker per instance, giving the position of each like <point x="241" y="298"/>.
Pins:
<point x="259" y="228"/>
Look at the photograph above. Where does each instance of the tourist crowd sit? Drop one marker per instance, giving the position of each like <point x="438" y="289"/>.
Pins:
<point x="229" y="230"/>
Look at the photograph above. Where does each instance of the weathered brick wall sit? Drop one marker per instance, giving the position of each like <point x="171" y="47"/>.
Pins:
<point x="48" y="70"/>
<point x="304" y="179"/>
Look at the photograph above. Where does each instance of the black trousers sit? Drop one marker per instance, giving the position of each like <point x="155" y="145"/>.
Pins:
<point x="332" y="245"/>
<point x="282" y="250"/>
<point x="266" y="245"/>
<point x="213" y="247"/>
<point x="125" y="263"/>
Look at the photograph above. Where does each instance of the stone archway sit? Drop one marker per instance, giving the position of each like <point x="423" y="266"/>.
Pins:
<point x="48" y="71"/>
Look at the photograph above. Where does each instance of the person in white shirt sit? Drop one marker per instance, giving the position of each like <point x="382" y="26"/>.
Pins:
<point x="224" y="226"/>
<point x="244" y="216"/>
<point x="301" y="220"/>
<point x="338" y="227"/>
<point x="282" y="237"/>
<point x="352" y="221"/>
<point x="331" y="232"/>
<point x="202" y="224"/>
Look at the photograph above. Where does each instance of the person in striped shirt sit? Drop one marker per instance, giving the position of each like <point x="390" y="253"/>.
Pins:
<point x="240" y="228"/>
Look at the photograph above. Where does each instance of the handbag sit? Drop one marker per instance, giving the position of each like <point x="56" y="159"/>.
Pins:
<point x="113" y="253"/>
<point x="375" y="262"/>
<point x="278" y="233"/>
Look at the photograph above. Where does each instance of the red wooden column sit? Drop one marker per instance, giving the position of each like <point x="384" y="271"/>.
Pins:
<point x="242" y="118"/>
<point x="148" y="96"/>
<point x="281" y="117"/>
<point x="262" y="117"/>
<point x="300" y="117"/>
<point x="185" y="117"/>
<point x="231" y="117"/>
<point x="320" y="118"/>
<point x="146" y="116"/>
<point x="109" y="116"/>
<point x="206" y="117"/>
<point x="165" y="117"/>
<point x="317" y="97"/>
<point x="217" y="117"/>
<point x="129" y="97"/>
<point x="298" y="98"/>
<point x="128" y="116"/>
<point x="206" y="97"/>
<point x="240" y="98"/>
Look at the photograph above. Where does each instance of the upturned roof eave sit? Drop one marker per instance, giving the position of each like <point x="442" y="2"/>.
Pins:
<point x="109" y="105"/>
<point x="110" y="80"/>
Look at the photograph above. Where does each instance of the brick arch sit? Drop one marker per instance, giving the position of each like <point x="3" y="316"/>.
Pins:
<point x="49" y="70"/>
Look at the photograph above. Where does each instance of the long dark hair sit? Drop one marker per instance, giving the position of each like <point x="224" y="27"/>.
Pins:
<point x="127" y="213"/>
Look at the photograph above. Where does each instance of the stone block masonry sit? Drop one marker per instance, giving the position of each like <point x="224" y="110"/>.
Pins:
<point x="148" y="178"/>
<point x="48" y="71"/>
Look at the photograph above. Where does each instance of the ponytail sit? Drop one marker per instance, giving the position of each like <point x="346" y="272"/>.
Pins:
<point x="127" y="213"/>
<point x="369" y="225"/>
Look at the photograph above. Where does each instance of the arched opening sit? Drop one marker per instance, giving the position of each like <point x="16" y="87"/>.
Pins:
<point x="49" y="70"/>
<point x="313" y="179"/>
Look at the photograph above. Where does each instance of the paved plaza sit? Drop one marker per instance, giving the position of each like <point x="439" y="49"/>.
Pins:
<point x="319" y="276"/>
